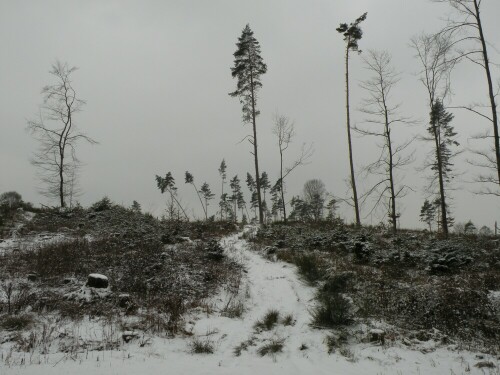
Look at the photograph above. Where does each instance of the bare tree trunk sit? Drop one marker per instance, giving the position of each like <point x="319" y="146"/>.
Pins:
<point x="179" y="205"/>
<point x="351" y="163"/>
<point x="391" y="175"/>
<point x="491" y="91"/>
<point x="444" y="218"/>
<point x="8" y="294"/>
<point x="57" y="167"/>
<point x="61" y="180"/>
<point x="282" y="187"/>
<point x="222" y="194"/>
<point x="201" y="201"/>
<point x="63" y="140"/>
<point x="256" y="159"/>
<point x="391" y="167"/>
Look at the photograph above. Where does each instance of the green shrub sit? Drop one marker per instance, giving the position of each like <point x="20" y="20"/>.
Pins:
<point x="337" y="283"/>
<point x="333" y="311"/>
<point x="102" y="205"/>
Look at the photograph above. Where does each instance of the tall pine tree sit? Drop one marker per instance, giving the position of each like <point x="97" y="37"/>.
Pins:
<point x="248" y="68"/>
<point x="444" y="137"/>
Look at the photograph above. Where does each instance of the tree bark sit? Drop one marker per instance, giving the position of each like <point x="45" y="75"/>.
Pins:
<point x="444" y="218"/>
<point x="256" y="159"/>
<point x="351" y="163"/>
<point x="491" y="91"/>
<point x="391" y="175"/>
<point x="282" y="187"/>
<point x="222" y="194"/>
<point x="201" y="201"/>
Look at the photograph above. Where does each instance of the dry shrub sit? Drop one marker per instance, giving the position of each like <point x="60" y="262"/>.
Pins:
<point x="288" y="320"/>
<point x="70" y="309"/>
<point x="16" y="322"/>
<point x="268" y="321"/>
<point x="18" y="296"/>
<point x="202" y="346"/>
<point x="285" y="255"/>
<point x="234" y="309"/>
<point x="310" y="267"/>
<point x="57" y="259"/>
<point x="272" y="348"/>
<point x="454" y="309"/>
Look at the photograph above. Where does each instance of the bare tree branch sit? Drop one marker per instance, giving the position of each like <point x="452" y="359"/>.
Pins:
<point x="383" y="115"/>
<point x="56" y="159"/>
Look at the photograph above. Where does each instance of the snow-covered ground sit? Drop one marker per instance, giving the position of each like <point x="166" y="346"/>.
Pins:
<point x="265" y="285"/>
<point x="30" y="241"/>
<point x="17" y="242"/>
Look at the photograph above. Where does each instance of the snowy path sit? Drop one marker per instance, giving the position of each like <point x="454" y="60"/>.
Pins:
<point x="266" y="285"/>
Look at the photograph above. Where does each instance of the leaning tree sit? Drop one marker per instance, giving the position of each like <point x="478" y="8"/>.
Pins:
<point x="167" y="184"/>
<point x="248" y="69"/>
<point x="189" y="179"/>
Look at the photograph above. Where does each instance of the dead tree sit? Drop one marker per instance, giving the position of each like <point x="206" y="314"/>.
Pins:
<point x="487" y="162"/>
<point x="382" y="115"/>
<point x="58" y="135"/>
<point x="469" y="37"/>
<point x="284" y="130"/>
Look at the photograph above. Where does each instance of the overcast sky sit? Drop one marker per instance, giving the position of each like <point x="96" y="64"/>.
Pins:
<point x="156" y="78"/>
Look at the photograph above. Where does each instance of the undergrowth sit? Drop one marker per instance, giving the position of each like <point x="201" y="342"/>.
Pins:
<point x="199" y="346"/>
<point x="268" y="321"/>
<point x="413" y="280"/>
<point x="273" y="347"/>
